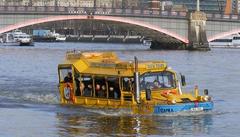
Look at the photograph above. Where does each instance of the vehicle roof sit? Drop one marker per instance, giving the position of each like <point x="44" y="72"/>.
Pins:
<point x="108" y="63"/>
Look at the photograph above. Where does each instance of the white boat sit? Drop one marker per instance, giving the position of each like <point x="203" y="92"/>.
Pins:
<point x="236" y="41"/>
<point x="232" y="41"/>
<point x="147" y="42"/>
<point x="16" y="38"/>
<point x="58" y="37"/>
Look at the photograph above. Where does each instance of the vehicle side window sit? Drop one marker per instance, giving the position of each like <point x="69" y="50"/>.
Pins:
<point x="100" y="87"/>
<point x="127" y="83"/>
<point x="113" y="88"/>
<point x="63" y="73"/>
<point x="87" y="85"/>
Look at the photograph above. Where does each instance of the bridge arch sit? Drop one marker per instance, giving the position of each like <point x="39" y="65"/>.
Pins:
<point x="85" y="17"/>
<point x="223" y="34"/>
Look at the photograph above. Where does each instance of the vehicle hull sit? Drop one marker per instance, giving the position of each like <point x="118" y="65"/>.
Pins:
<point x="26" y="44"/>
<point x="17" y="44"/>
<point x="193" y="106"/>
<point x="149" y="108"/>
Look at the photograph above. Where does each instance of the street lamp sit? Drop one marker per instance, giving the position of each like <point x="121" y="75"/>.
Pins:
<point x="55" y="3"/>
<point x="30" y="3"/>
<point x="94" y="4"/>
<point x="124" y="4"/>
<point x="198" y="5"/>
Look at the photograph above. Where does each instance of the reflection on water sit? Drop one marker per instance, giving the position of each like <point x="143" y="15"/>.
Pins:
<point x="133" y="125"/>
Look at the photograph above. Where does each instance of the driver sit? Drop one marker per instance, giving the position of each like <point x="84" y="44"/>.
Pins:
<point x="68" y="78"/>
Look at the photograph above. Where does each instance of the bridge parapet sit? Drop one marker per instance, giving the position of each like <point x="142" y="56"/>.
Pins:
<point x="109" y="11"/>
<point x="85" y="10"/>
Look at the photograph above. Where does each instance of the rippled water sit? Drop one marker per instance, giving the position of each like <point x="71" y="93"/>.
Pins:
<point x="29" y="97"/>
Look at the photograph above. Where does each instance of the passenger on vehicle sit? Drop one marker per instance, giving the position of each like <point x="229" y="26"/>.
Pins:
<point x="156" y="84"/>
<point x="88" y="91"/>
<point x="127" y="83"/>
<point x="131" y="84"/>
<point x="103" y="91"/>
<point x="82" y="86"/>
<point x="113" y="93"/>
<point x="68" y="78"/>
<point x="100" y="90"/>
<point x="97" y="89"/>
<point x="77" y="81"/>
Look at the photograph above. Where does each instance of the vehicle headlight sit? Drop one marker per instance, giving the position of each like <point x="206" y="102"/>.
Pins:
<point x="173" y="101"/>
<point x="207" y="98"/>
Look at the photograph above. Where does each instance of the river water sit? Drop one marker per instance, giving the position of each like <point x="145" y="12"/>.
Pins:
<point x="29" y="104"/>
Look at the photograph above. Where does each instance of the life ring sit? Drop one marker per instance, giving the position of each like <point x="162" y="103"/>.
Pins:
<point x="166" y="93"/>
<point x="68" y="92"/>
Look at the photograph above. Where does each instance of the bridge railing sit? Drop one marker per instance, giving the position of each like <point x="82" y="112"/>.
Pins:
<point x="87" y="10"/>
<point x="107" y="11"/>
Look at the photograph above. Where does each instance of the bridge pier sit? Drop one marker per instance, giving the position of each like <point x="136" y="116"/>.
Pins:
<point x="197" y="36"/>
<point x="196" y="32"/>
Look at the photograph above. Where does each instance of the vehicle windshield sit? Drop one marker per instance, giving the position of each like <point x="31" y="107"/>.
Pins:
<point x="157" y="80"/>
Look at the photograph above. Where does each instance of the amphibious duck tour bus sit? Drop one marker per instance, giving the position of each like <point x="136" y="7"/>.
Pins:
<point x="101" y="80"/>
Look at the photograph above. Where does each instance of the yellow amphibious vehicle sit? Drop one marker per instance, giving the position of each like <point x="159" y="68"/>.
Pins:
<point x="101" y="80"/>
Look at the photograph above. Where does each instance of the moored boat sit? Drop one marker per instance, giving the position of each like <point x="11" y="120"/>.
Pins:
<point x="16" y="38"/>
<point x="60" y="38"/>
<point x="48" y="36"/>
<point x="101" y="80"/>
<point x="147" y="42"/>
<point x="232" y="41"/>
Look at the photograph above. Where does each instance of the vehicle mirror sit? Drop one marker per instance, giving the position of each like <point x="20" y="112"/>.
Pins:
<point x="183" y="80"/>
<point x="205" y="92"/>
<point x="148" y="94"/>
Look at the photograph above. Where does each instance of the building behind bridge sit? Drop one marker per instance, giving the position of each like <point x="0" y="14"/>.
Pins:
<point x="205" y="5"/>
<point x="209" y="6"/>
<point x="74" y="3"/>
<point x="222" y="6"/>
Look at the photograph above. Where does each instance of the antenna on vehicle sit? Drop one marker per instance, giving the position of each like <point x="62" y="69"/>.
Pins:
<point x="136" y="79"/>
